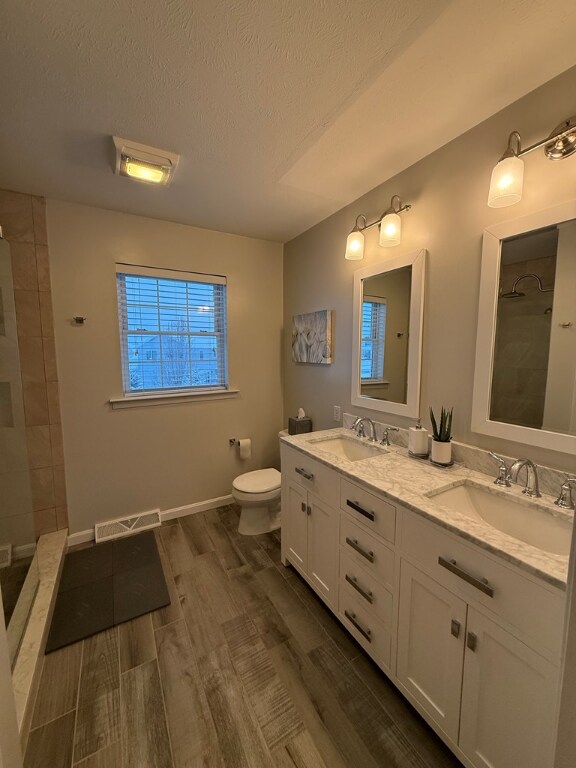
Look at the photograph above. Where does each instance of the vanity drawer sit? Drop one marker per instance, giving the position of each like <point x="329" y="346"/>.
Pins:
<point x="368" y="509"/>
<point x="534" y="608"/>
<point x="372" y="635"/>
<point x="367" y="551"/>
<point x="366" y="589"/>
<point x="310" y="474"/>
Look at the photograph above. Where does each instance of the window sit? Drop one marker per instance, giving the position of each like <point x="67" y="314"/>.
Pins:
<point x="373" y="337"/>
<point x="172" y="330"/>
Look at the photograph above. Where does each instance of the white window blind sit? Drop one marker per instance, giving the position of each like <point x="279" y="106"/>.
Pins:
<point x="373" y="338"/>
<point x="172" y="330"/>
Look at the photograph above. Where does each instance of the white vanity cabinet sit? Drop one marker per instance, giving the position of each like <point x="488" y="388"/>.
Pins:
<point x="367" y="570"/>
<point x="478" y="648"/>
<point x="310" y="521"/>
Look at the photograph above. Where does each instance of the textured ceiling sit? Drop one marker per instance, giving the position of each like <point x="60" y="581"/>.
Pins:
<point x="282" y="110"/>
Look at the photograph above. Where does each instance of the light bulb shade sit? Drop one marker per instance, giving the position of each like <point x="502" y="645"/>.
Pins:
<point x="506" y="182"/>
<point x="355" y="245"/>
<point x="390" y="230"/>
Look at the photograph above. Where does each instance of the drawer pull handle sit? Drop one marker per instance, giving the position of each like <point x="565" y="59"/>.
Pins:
<point x="453" y="567"/>
<point x="306" y="475"/>
<point x="455" y="628"/>
<point x="303" y="506"/>
<point x="471" y="641"/>
<point x="354" y="544"/>
<point x="366" y="633"/>
<point x="354" y="583"/>
<point x="360" y="510"/>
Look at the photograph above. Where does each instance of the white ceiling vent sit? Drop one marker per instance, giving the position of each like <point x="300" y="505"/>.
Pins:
<point x="143" y="163"/>
<point x="125" y="526"/>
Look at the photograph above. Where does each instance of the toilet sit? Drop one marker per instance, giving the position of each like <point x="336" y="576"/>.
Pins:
<point x="258" y="495"/>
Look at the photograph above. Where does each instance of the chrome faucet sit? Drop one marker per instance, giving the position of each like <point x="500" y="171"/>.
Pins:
<point x="386" y="437"/>
<point x="565" y="499"/>
<point x="531" y="488"/>
<point x="360" y="431"/>
<point x="503" y="471"/>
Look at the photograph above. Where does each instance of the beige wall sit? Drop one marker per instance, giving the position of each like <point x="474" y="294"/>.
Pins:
<point x="448" y="192"/>
<point x="125" y="461"/>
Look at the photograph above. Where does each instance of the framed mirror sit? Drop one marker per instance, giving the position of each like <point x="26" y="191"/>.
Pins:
<point x="525" y="373"/>
<point x="387" y="335"/>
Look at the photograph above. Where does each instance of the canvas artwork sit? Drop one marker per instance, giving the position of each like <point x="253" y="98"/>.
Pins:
<point x="312" y="337"/>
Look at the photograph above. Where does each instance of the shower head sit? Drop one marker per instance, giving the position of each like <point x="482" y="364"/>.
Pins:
<point x="514" y="294"/>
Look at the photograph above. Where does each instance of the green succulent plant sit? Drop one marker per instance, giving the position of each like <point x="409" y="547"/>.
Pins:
<point x="442" y="432"/>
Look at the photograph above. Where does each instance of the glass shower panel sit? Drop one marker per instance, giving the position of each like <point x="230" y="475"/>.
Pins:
<point x="17" y="578"/>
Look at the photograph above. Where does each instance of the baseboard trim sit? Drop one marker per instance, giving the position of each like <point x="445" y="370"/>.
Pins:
<point x="199" y="506"/>
<point x="23" y="550"/>
<point x="82" y="537"/>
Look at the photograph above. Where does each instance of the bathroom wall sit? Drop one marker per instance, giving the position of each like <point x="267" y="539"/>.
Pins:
<point x="32" y="483"/>
<point x="448" y="191"/>
<point x="120" y="462"/>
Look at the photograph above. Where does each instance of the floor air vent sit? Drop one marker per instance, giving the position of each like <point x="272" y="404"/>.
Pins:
<point x="125" y="526"/>
<point x="5" y="555"/>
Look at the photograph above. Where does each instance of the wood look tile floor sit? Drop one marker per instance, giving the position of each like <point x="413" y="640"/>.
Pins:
<point x="245" y="669"/>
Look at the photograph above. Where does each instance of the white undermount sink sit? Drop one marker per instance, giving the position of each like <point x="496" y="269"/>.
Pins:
<point x="348" y="448"/>
<point x="522" y="521"/>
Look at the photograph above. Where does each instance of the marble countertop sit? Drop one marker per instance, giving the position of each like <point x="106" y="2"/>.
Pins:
<point x="412" y="483"/>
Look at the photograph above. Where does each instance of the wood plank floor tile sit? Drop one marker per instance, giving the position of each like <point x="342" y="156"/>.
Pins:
<point x="58" y="689"/>
<point x="223" y="546"/>
<point x="333" y="733"/>
<point x="248" y="547"/>
<point x="176" y="546"/>
<point x="240" y="740"/>
<point x="171" y="612"/>
<point x="301" y="752"/>
<point x="136" y="640"/>
<point x="109" y="757"/>
<point x="382" y="737"/>
<point x="98" y="717"/>
<point x="194" y="528"/>
<point x="252" y="597"/>
<point x="276" y="715"/>
<point x="324" y="616"/>
<point x="145" y="739"/>
<point x="213" y="587"/>
<point x="192" y="732"/>
<point x="278" y="591"/>
<point x="416" y="730"/>
<point x="50" y="745"/>
<point x="205" y="632"/>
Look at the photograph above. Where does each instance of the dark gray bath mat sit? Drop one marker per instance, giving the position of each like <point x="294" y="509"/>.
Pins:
<point x="106" y="585"/>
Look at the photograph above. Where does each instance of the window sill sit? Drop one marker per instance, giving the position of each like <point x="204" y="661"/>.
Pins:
<point x="171" y="398"/>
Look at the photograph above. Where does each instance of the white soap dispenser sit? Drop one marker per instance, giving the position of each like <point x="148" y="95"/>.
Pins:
<point x="418" y="441"/>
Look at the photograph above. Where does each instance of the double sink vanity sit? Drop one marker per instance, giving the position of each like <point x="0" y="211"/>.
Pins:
<point x="454" y="586"/>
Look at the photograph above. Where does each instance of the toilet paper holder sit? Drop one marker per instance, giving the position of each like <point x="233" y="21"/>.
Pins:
<point x="233" y="441"/>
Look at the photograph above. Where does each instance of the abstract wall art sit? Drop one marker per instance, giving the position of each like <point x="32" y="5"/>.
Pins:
<point x="312" y="337"/>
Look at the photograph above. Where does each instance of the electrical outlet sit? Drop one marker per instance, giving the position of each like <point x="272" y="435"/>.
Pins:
<point x="337" y="413"/>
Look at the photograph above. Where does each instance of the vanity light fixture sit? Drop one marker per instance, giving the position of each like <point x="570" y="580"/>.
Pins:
<point x="508" y="174"/>
<point x="390" y="225"/>
<point x="144" y="163"/>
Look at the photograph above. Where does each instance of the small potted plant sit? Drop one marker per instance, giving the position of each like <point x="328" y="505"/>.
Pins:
<point x="441" y="437"/>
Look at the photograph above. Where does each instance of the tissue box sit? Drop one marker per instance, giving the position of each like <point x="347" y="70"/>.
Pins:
<point x="299" y="426"/>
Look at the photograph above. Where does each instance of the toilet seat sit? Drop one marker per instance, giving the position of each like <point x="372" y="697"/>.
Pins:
<point x="260" y="481"/>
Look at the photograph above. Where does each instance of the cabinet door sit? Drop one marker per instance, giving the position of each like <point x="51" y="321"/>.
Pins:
<point x="295" y="526"/>
<point x="431" y="631"/>
<point x="508" y="700"/>
<point x="323" y="549"/>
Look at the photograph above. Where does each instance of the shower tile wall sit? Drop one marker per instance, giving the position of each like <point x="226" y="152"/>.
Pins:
<point x="23" y="220"/>
<point x="522" y="345"/>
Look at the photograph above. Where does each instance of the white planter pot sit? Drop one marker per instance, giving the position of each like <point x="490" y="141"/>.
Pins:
<point x="441" y="452"/>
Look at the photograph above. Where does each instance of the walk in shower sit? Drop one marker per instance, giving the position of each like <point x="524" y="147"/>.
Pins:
<point x="18" y="566"/>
